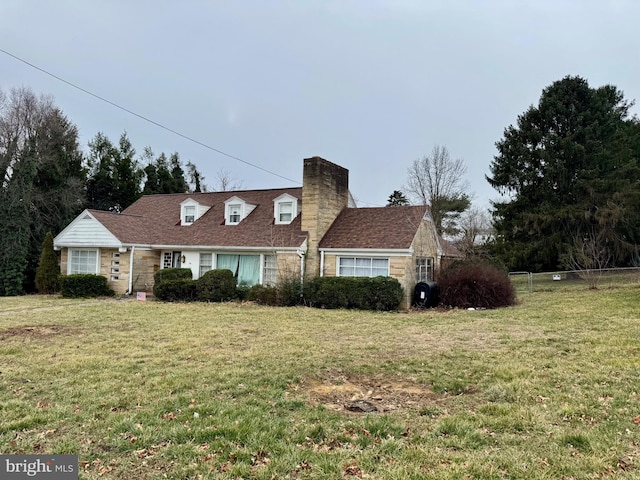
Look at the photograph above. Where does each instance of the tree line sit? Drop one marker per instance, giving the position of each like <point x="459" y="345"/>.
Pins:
<point x="568" y="174"/>
<point x="47" y="180"/>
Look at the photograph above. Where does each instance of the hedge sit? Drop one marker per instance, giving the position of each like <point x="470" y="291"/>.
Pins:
<point x="166" y="274"/>
<point x="177" y="290"/>
<point x="363" y="293"/>
<point x="85" y="285"/>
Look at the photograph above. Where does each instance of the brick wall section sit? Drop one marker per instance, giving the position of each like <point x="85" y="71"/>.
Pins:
<point x="325" y="192"/>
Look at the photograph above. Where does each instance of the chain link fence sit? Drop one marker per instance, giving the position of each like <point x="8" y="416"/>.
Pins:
<point x="527" y="282"/>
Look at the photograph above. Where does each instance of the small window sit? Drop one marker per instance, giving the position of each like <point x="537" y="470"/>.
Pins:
<point x="270" y="270"/>
<point x="115" y="263"/>
<point x="115" y="255"/>
<point x="424" y="269"/>
<point x="189" y="214"/>
<point x="363" y="267"/>
<point x="234" y="213"/>
<point x="115" y="270"/>
<point x="285" y="212"/>
<point x="167" y="260"/>
<point x="205" y="263"/>
<point x="115" y="278"/>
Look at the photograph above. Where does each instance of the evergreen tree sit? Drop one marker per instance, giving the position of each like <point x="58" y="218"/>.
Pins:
<point x="48" y="272"/>
<point x="570" y="167"/>
<point x="177" y="173"/>
<point x="114" y="175"/>
<point x="42" y="182"/>
<point x="397" y="198"/>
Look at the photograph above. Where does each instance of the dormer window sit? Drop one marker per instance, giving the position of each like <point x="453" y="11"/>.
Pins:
<point x="285" y="209"/>
<point x="235" y="213"/>
<point x="189" y="214"/>
<point x="236" y="210"/>
<point x="190" y="211"/>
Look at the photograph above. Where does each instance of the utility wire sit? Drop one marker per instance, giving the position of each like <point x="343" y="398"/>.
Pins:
<point x="146" y="119"/>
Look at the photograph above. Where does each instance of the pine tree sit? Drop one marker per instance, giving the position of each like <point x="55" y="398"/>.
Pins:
<point x="48" y="272"/>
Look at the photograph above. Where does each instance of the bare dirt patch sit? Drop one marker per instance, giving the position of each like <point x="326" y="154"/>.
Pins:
<point x="348" y="393"/>
<point x="31" y="332"/>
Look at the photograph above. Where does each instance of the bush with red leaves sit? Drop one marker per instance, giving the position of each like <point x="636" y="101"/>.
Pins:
<point x="475" y="284"/>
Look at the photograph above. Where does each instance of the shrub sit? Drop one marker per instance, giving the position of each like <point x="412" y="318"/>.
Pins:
<point x="216" y="286"/>
<point x="263" y="295"/>
<point x="475" y="283"/>
<point x="364" y="293"/>
<point x="166" y="274"/>
<point x="177" y="290"/>
<point x="48" y="271"/>
<point x="85" y="285"/>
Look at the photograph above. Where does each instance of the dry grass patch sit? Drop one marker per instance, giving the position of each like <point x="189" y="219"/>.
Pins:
<point x="147" y="390"/>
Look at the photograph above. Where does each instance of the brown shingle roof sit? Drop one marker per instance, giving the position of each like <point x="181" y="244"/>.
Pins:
<point x="155" y="220"/>
<point x="381" y="227"/>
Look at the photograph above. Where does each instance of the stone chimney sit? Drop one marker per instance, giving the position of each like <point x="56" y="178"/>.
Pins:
<point x="325" y="193"/>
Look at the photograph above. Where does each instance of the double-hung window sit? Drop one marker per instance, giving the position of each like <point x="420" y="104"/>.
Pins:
<point x="205" y="263"/>
<point x="363" y="267"/>
<point x="285" y="212"/>
<point x="270" y="270"/>
<point x="189" y="214"/>
<point x="234" y="213"/>
<point x="83" y="261"/>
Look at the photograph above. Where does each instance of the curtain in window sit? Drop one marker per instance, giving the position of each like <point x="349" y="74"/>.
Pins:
<point x="230" y="262"/>
<point x="249" y="270"/>
<point x="246" y="268"/>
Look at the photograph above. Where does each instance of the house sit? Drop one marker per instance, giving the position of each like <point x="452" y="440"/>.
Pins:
<point x="263" y="236"/>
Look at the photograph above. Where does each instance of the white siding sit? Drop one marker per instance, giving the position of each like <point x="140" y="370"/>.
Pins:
<point x="86" y="231"/>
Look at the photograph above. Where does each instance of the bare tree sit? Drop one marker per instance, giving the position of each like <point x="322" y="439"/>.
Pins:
<point x="437" y="180"/>
<point x="589" y="255"/>
<point x="225" y="182"/>
<point x="475" y="230"/>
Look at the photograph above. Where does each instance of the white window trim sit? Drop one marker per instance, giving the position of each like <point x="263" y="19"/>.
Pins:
<point x="97" y="250"/>
<point x="369" y="257"/>
<point x="282" y="199"/>
<point x="189" y="202"/>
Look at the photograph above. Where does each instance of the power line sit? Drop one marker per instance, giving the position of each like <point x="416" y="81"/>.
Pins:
<point x="146" y="119"/>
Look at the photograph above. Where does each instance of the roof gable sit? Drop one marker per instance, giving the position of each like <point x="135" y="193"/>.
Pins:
<point x="85" y="231"/>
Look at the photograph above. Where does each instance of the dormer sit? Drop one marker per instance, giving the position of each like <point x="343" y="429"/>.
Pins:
<point x="285" y="209"/>
<point x="190" y="211"/>
<point x="236" y="210"/>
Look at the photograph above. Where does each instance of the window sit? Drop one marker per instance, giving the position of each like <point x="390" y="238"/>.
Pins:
<point x="189" y="214"/>
<point x="363" y="267"/>
<point x="246" y="268"/>
<point x="269" y="273"/>
<point x="83" y="261"/>
<point x="171" y="260"/>
<point x="285" y="209"/>
<point x="205" y="263"/>
<point x="424" y="269"/>
<point x="234" y="213"/>
<point x="167" y="260"/>
<point x="285" y="212"/>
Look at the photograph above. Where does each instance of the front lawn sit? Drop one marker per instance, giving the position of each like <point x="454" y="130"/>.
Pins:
<point x="549" y="388"/>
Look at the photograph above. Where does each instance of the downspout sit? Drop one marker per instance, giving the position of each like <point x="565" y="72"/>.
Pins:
<point x="133" y="248"/>
<point x="322" y="263"/>
<point x="301" y="255"/>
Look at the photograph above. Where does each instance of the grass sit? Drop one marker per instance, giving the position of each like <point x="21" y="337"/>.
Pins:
<point x="548" y="389"/>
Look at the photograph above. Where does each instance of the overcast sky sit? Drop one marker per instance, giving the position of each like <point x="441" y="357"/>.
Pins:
<point x="370" y="85"/>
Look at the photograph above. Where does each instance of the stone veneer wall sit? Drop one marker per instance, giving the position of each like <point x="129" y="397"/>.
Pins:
<point x="325" y="193"/>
